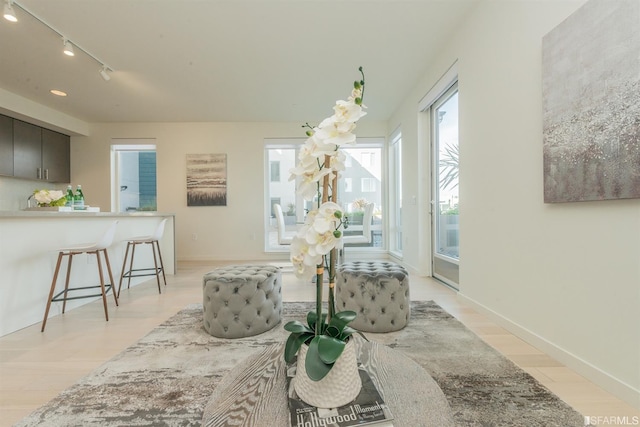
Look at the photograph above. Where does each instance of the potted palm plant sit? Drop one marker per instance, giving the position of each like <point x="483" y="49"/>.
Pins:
<point x="322" y="344"/>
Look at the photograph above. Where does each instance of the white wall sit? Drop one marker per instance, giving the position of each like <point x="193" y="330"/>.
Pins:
<point x="566" y="276"/>
<point x="234" y="232"/>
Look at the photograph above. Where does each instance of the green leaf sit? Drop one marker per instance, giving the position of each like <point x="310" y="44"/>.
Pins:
<point x="330" y="349"/>
<point x="312" y="317"/>
<point x="316" y="368"/>
<point x="293" y="344"/>
<point x="347" y="332"/>
<point x="333" y="331"/>
<point x="295" y="326"/>
<point x="347" y="315"/>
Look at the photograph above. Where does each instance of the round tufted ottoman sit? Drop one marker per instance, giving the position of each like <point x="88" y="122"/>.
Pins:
<point x="241" y="300"/>
<point x="377" y="291"/>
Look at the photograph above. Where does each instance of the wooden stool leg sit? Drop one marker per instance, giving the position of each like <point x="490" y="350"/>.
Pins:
<point x="124" y="265"/>
<point x="133" y="252"/>
<point x="113" y="288"/>
<point x="161" y="263"/>
<point x="104" y="294"/>
<point x="53" y="287"/>
<point x="66" y="283"/>
<point x="155" y="263"/>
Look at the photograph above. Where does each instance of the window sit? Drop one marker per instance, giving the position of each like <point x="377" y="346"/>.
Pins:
<point x="275" y="171"/>
<point x="133" y="165"/>
<point x="365" y="160"/>
<point x="368" y="185"/>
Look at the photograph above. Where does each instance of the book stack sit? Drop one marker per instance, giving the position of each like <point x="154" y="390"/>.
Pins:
<point x="367" y="409"/>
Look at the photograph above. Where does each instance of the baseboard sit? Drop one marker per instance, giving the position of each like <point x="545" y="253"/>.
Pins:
<point x="594" y="374"/>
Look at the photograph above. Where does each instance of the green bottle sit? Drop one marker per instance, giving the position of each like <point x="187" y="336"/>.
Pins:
<point x="78" y="199"/>
<point x="69" y="197"/>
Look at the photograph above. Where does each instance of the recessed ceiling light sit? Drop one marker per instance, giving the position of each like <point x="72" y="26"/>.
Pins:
<point x="58" y="92"/>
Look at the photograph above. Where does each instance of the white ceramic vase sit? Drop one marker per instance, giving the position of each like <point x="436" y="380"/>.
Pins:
<point x="341" y="385"/>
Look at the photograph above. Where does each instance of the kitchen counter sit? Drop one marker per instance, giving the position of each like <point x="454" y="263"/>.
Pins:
<point x="47" y="213"/>
<point x="29" y="244"/>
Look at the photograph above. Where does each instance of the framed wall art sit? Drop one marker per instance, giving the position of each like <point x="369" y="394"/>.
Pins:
<point x="591" y="104"/>
<point x="206" y="180"/>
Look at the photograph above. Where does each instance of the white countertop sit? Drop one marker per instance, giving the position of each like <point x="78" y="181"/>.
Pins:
<point x="54" y="214"/>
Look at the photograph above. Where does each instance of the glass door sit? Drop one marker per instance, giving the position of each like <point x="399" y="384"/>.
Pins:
<point x="445" y="205"/>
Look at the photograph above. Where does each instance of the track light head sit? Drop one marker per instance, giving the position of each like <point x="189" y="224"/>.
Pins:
<point x="104" y="73"/>
<point x="9" y="14"/>
<point x="68" y="48"/>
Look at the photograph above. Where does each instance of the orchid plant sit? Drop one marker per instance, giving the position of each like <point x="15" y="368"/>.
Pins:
<point x="46" y="198"/>
<point x="315" y="245"/>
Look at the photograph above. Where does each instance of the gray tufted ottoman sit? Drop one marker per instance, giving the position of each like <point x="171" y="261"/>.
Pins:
<point x="377" y="291"/>
<point x="241" y="300"/>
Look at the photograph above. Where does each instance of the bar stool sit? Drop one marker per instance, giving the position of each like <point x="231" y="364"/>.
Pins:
<point x="152" y="240"/>
<point x="70" y="251"/>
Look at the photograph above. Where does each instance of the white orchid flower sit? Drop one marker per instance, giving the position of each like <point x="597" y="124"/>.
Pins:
<point x="348" y="111"/>
<point x="320" y="232"/>
<point x="304" y="265"/>
<point x="317" y="237"/>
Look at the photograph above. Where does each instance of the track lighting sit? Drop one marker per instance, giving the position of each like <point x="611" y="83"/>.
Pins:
<point x="9" y="14"/>
<point x="68" y="47"/>
<point x="104" y="73"/>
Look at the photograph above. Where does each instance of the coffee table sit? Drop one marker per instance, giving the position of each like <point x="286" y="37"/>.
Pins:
<point x="254" y="393"/>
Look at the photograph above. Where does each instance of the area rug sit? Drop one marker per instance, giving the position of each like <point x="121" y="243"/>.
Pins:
<point x="167" y="377"/>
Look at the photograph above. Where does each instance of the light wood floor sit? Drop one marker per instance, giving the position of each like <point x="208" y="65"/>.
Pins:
<point x="35" y="366"/>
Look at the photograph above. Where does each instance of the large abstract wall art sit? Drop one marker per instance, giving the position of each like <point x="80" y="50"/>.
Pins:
<point x="591" y="104"/>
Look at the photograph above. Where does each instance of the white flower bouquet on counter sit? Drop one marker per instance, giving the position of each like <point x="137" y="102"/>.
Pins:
<point x="49" y="198"/>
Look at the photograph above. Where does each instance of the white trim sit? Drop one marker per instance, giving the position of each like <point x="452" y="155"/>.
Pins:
<point x="443" y="84"/>
<point x="613" y="385"/>
<point x="447" y="258"/>
<point x="394" y="192"/>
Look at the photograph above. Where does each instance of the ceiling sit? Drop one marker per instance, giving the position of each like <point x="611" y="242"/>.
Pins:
<point x="222" y="60"/>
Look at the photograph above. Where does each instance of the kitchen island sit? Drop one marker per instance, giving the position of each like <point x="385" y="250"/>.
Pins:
<point x="29" y="244"/>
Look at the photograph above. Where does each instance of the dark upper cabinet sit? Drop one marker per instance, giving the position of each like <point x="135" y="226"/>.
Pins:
<point x="56" y="162"/>
<point x="27" y="150"/>
<point x="6" y="146"/>
<point x="40" y="153"/>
